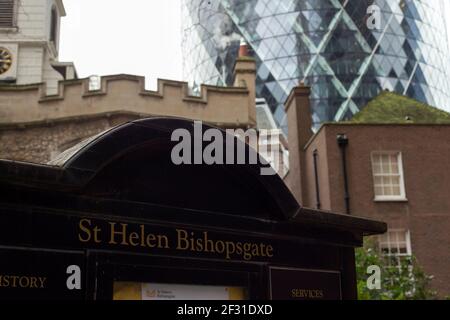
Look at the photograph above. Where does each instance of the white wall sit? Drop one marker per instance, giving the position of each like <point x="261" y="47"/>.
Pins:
<point x="31" y="20"/>
<point x="35" y="52"/>
<point x="29" y="67"/>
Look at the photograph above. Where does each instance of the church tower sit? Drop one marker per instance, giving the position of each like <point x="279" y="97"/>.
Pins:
<point x="29" y="43"/>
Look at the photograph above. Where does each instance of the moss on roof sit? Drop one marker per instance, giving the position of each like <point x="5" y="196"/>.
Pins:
<point x="389" y="107"/>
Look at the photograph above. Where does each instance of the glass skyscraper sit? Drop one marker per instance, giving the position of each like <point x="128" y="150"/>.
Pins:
<point x="344" y="51"/>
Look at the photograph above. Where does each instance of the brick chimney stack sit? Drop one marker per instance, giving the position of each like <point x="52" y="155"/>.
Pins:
<point x="298" y="114"/>
<point x="245" y="76"/>
<point x="243" y="49"/>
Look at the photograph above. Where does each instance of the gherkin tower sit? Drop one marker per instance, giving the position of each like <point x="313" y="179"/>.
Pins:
<point x="332" y="45"/>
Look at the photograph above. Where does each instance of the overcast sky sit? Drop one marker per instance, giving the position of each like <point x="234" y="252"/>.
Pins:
<point x="107" y="37"/>
<point x="142" y="37"/>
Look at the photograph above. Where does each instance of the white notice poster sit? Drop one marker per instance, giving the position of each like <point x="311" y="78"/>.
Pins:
<point x="161" y="291"/>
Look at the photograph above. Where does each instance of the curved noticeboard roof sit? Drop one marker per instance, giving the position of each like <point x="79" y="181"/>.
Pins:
<point x="133" y="162"/>
<point x="128" y="171"/>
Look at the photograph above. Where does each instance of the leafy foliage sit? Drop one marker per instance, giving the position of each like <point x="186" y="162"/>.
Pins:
<point x="393" y="108"/>
<point x="401" y="279"/>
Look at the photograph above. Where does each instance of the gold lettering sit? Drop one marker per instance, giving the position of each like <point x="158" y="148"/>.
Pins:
<point x="85" y="229"/>
<point x="231" y="248"/>
<point x="163" y="239"/>
<point x="122" y="233"/>
<point x="134" y="236"/>
<point x="186" y="240"/>
<point x="269" y="251"/>
<point x="262" y="249"/>
<point x="247" y="254"/>
<point x="6" y="281"/>
<point x="307" y="293"/>
<point x="255" y="250"/>
<point x="192" y="241"/>
<point x="151" y="238"/>
<point x="19" y="281"/>
<point x="96" y="236"/>
<point x="143" y="238"/>
<point x="222" y="245"/>
<point x="199" y="245"/>
<point x="182" y="239"/>
<point x="33" y="281"/>
<point x="208" y="242"/>
<point x="14" y="281"/>
<point x="238" y="248"/>
<point x="42" y="281"/>
<point x="22" y="284"/>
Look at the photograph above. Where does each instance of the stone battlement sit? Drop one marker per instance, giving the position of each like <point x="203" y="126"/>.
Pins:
<point x="22" y="105"/>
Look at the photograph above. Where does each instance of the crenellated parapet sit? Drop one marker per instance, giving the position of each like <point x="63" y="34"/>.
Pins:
<point x="124" y="94"/>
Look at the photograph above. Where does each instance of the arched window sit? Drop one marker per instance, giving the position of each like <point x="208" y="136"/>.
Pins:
<point x="54" y="26"/>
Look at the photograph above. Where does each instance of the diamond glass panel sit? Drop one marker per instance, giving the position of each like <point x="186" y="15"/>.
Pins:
<point x="325" y="43"/>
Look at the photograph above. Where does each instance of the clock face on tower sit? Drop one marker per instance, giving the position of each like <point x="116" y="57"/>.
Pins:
<point x="5" y="60"/>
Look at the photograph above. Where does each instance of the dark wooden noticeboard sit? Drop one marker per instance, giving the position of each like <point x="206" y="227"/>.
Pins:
<point x="118" y="209"/>
<point x="68" y="231"/>
<point x="38" y="275"/>
<point x="299" y="284"/>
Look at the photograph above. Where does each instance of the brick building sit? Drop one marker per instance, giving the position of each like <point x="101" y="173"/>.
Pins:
<point x="391" y="162"/>
<point x="35" y="127"/>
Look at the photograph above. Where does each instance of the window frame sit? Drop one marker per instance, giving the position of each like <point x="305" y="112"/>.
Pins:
<point x="54" y="25"/>
<point x="13" y="26"/>
<point x="395" y="259"/>
<point x="389" y="198"/>
<point x="398" y="254"/>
